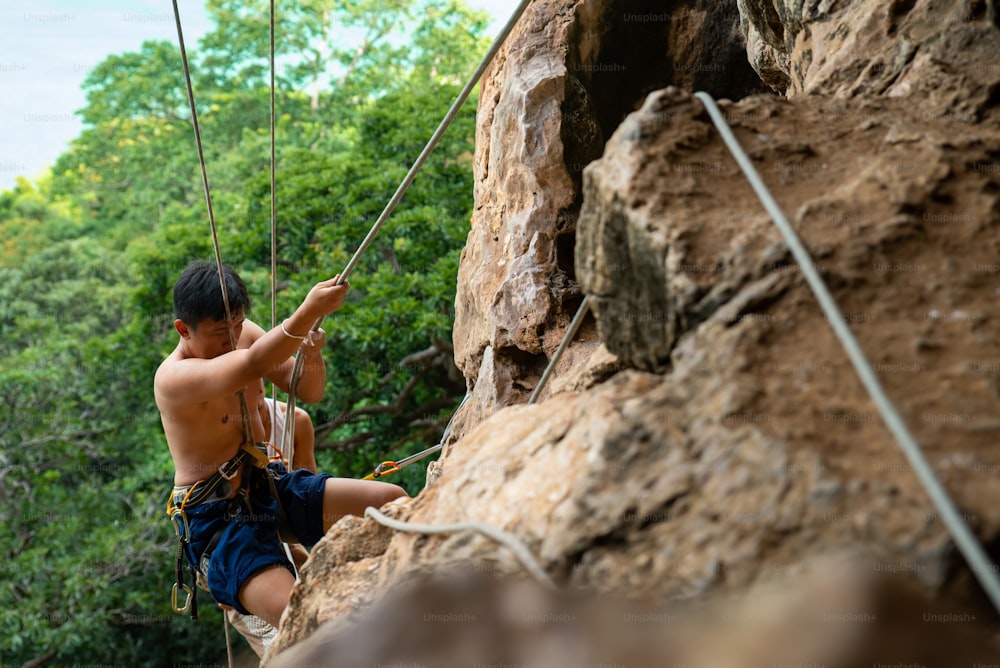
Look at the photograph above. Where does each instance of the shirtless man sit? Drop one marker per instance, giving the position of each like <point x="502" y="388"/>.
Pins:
<point x="196" y="390"/>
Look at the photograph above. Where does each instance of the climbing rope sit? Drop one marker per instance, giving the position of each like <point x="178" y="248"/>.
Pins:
<point x="574" y="325"/>
<point x="274" y="254"/>
<point x="274" y="217"/>
<point x="387" y="467"/>
<point x="407" y="180"/>
<point x="244" y="408"/>
<point x="178" y="516"/>
<point x="965" y="540"/>
<point x="507" y="540"/>
<point x="390" y="466"/>
<point x="229" y="640"/>
<point x="274" y="223"/>
<point x="247" y="424"/>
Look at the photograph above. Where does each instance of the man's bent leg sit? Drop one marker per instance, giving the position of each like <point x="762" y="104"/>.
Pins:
<point x="266" y="593"/>
<point x="344" y="496"/>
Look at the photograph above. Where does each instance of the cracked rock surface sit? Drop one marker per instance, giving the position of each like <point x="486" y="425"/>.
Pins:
<point x="706" y="435"/>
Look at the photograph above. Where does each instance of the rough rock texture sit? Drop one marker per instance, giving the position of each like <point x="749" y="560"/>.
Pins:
<point x="939" y="53"/>
<point x="565" y="80"/>
<point x="885" y="208"/>
<point x="707" y="435"/>
<point x="903" y="219"/>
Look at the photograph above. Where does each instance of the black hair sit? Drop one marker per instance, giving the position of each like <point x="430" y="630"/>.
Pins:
<point x="198" y="294"/>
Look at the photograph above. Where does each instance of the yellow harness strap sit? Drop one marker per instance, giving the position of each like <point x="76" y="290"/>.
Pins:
<point x="259" y="458"/>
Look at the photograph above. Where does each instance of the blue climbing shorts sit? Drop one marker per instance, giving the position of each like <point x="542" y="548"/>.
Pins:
<point x="248" y="539"/>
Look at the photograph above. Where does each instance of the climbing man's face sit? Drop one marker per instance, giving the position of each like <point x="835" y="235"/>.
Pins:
<point x="210" y="338"/>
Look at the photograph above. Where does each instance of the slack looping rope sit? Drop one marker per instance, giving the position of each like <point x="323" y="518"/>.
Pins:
<point x="507" y="540"/>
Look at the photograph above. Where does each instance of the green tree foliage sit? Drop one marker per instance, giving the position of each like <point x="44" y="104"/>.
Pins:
<point x="89" y="255"/>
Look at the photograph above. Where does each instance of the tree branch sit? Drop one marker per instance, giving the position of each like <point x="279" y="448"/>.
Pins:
<point x="423" y="433"/>
<point x="423" y="358"/>
<point x="395" y="408"/>
<point x="347" y="443"/>
<point x="420" y="417"/>
<point x="366" y="45"/>
<point x="40" y="660"/>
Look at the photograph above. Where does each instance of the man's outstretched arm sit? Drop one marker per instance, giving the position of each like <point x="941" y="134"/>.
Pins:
<point x="195" y="380"/>
<point x="312" y="379"/>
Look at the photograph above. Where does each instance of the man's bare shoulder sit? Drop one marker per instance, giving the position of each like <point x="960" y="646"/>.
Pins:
<point x="168" y="365"/>
<point x="164" y="373"/>
<point x="171" y="363"/>
<point x="168" y="380"/>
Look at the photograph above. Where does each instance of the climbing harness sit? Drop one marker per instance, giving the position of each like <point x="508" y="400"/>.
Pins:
<point x="217" y="487"/>
<point x="967" y="543"/>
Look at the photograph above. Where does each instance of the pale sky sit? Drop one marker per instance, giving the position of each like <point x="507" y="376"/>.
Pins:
<point x="47" y="47"/>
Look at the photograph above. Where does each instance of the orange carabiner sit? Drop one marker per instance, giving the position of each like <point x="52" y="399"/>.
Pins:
<point x="383" y="469"/>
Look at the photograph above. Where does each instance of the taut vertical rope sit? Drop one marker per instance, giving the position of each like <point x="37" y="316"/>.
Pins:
<point x="244" y="409"/>
<point x="229" y="640"/>
<point x="274" y="263"/>
<point x="274" y="226"/>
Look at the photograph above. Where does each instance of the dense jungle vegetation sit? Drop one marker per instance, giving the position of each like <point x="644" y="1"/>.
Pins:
<point x="89" y="255"/>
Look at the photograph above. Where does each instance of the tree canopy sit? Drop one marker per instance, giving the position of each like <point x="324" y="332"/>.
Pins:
<point x="89" y="255"/>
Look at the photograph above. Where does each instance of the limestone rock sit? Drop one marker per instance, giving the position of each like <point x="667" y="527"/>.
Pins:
<point x="881" y="213"/>
<point x="940" y="55"/>
<point x="510" y="286"/>
<point x="568" y="75"/>
<point x="653" y="216"/>
<point x="706" y="436"/>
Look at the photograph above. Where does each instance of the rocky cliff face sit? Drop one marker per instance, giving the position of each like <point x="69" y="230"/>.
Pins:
<point x="706" y="435"/>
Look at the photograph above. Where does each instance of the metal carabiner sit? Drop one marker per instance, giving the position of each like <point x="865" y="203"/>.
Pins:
<point x="173" y="598"/>
<point x="385" y="468"/>
<point x="181" y="523"/>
